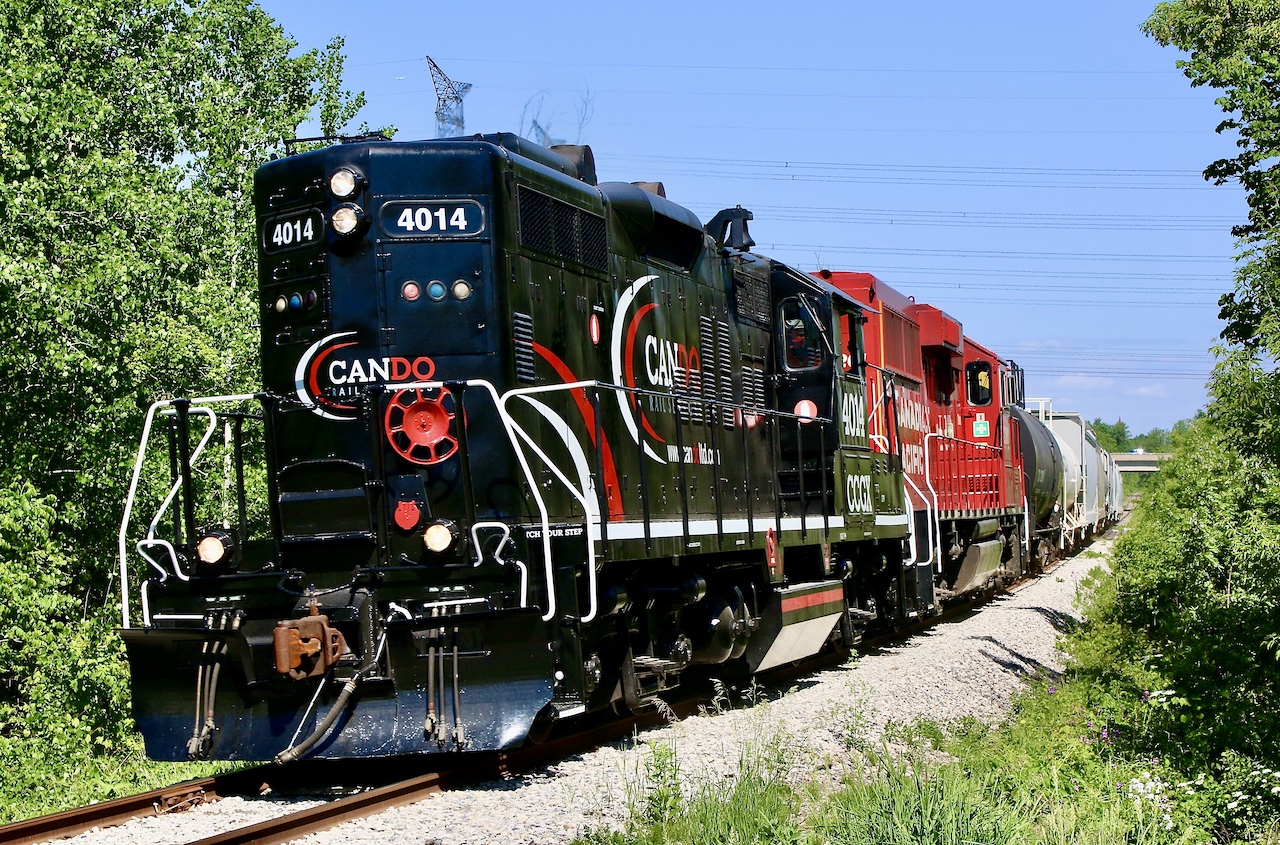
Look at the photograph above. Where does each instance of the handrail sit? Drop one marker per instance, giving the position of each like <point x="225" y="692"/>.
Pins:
<point x="133" y="488"/>
<point x="522" y="444"/>
<point x="513" y="431"/>
<point x="930" y="519"/>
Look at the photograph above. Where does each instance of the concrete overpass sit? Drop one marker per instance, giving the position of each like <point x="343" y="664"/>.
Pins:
<point x="1145" y="462"/>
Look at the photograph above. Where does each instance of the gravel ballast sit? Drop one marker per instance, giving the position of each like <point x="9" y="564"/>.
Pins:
<point x="971" y="667"/>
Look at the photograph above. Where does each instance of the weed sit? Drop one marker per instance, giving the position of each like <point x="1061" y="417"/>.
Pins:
<point x="663" y="796"/>
<point x="911" y="802"/>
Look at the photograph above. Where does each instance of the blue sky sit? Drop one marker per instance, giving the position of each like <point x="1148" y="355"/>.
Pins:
<point x="1033" y="169"/>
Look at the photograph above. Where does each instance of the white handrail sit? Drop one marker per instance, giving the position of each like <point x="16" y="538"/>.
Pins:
<point x="930" y="515"/>
<point x="177" y="484"/>
<point x="512" y="428"/>
<point x="133" y="491"/>
<point x="589" y="506"/>
<point x="928" y="483"/>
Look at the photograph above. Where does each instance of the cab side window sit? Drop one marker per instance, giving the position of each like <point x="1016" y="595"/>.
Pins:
<point x="801" y="338"/>
<point x="977" y="377"/>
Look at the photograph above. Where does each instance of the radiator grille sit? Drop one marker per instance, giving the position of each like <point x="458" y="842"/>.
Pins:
<point x="753" y="387"/>
<point x="752" y="299"/>
<point x="724" y="363"/>
<point x="557" y="228"/>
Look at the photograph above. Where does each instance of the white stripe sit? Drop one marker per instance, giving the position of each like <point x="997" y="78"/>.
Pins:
<point x="703" y="527"/>
<point x="901" y="519"/>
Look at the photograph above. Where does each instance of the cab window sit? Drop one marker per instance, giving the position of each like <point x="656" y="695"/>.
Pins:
<point x="853" y="359"/>
<point x="801" y="338"/>
<point x="978" y="380"/>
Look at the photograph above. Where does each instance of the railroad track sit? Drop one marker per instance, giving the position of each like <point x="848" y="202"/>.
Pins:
<point x="406" y="786"/>
<point x="402" y="781"/>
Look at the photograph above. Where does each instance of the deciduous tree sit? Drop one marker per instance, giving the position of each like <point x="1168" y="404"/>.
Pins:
<point x="129" y="132"/>
<point x="1234" y="46"/>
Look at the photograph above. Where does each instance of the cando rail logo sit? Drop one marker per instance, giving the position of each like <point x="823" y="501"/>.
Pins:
<point x="330" y="381"/>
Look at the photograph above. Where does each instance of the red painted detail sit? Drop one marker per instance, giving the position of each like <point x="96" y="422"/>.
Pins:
<point x="831" y="596"/>
<point x="628" y="360"/>
<point x="692" y="363"/>
<point x="613" y="501"/>
<point x="407" y="515"/>
<point x="313" y="383"/>
<point x="594" y="325"/>
<point x="771" y="550"/>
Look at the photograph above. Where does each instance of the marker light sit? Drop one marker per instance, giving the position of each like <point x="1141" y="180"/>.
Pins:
<point x="346" y="219"/>
<point x="295" y="302"/>
<point x="439" y="536"/>
<point x="807" y="410"/>
<point x="436" y="290"/>
<point x="282" y="304"/>
<point x="310" y="299"/>
<point x="344" y="182"/>
<point x="411" y="291"/>
<point x="461" y="290"/>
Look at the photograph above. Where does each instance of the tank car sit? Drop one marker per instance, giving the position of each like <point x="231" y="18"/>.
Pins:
<point x="525" y="446"/>
<point x="1093" y="493"/>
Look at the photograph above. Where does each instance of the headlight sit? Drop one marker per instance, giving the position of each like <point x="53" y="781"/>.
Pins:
<point x="346" y="219"/>
<point x="440" y="535"/>
<point x="215" y="547"/>
<point x="345" y="182"/>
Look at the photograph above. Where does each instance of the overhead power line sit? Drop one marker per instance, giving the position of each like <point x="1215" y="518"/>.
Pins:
<point x="808" y="69"/>
<point x="1012" y="254"/>
<point x="983" y="220"/>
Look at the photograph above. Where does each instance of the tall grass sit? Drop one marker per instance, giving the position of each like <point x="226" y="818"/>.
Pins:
<point x="905" y="803"/>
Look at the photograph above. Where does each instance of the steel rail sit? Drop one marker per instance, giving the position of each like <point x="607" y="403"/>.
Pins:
<point x="157" y="802"/>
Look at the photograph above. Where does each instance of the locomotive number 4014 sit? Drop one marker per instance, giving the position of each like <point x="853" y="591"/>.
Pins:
<point x="432" y="219"/>
<point x="292" y="231"/>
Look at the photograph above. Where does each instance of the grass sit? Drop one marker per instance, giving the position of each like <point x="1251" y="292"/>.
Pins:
<point x="32" y="787"/>
<point x="1084" y="759"/>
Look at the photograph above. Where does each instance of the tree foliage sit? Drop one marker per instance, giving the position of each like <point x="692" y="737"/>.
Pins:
<point x="129" y="133"/>
<point x="1197" y="576"/>
<point x="1234" y="47"/>
<point x="1116" y="437"/>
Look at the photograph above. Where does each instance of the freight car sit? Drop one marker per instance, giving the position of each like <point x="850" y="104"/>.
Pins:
<point x="526" y="445"/>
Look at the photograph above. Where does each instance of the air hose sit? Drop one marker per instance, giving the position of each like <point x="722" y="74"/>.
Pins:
<point x="296" y="751"/>
<point x="293" y="753"/>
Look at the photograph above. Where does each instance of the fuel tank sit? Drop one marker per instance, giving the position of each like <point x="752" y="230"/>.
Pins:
<point x="1042" y="461"/>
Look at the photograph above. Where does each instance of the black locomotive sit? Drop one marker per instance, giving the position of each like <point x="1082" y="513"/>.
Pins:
<point x="530" y="446"/>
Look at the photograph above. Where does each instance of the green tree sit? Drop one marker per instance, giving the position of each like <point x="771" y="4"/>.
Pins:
<point x="1197" y="579"/>
<point x="1234" y="46"/>
<point x="129" y="133"/>
<point x="1112" y="437"/>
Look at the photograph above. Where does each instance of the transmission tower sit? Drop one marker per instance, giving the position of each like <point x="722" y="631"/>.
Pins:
<point x="449" y="94"/>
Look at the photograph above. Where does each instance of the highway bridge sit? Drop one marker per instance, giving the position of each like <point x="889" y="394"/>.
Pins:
<point x="1140" y="462"/>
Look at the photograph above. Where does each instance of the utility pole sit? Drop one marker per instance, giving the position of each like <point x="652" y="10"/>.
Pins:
<point x="449" y="94"/>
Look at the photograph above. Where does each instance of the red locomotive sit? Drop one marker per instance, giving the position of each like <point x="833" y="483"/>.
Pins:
<point x="974" y="460"/>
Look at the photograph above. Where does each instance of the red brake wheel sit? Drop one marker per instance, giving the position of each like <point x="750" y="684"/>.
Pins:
<point x="419" y="425"/>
